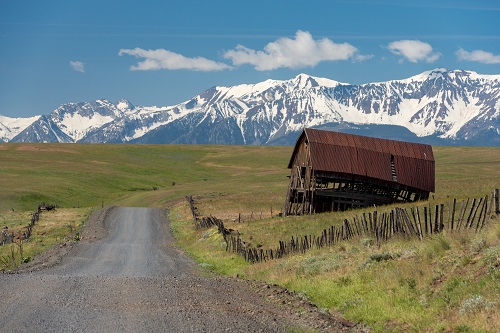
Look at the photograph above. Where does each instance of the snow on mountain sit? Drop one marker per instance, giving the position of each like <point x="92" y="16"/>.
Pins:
<point x="10" y="127"/>
<point x="124" y="105"/>
<point x="77" y="119"/>
<point x="441" y="106"/>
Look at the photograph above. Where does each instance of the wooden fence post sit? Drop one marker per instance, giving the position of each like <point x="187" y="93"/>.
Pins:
<point x="453" y="214"/>
<point x="481" y="215"/>
<point x="471" y="212"/>
<point x="436" y="220"/>
<point x="497" y="201"/>
<point x="464" y="212"/>
<point x="489" y="210"/>
<point x="441" y="218"/>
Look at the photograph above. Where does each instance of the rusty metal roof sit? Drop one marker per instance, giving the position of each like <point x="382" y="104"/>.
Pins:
<point x="370" y="157"/>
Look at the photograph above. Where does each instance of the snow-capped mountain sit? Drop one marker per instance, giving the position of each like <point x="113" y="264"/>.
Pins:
<point x="437" y="107"/>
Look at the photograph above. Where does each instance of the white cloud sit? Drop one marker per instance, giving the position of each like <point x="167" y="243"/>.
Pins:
<point x="302" y="51"/>
<point x="478" y="56"/>
<point x="414" y="50"/>
<point x="77" y="66"/>
<point x="164" y="59"/>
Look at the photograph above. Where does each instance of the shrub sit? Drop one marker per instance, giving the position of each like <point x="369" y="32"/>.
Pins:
<point x="475" y="303"/>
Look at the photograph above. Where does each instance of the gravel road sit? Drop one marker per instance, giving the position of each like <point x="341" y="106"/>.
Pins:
<point x="126" y="276"/>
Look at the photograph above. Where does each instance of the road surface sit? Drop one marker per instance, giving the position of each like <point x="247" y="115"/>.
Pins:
<point x="133" y="280"/>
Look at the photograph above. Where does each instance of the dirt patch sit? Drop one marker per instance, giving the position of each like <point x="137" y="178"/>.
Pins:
<point x="98" y="162"/>
<point x="50" y="148"/>
<point x="95" y="228"/>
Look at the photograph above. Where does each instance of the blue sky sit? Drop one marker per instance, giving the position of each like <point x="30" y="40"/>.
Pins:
<point x="165" y="52"/>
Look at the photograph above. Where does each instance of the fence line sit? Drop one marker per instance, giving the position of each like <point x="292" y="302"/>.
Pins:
<point x="9" y="237"/>
<point x="413" y="223"/>
<point x="240" y="217"/>
<point x="16" y="242"/>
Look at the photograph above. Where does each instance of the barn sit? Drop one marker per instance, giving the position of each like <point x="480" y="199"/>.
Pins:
<point x="333" y="171"/>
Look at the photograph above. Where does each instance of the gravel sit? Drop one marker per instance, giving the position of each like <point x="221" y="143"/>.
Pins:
<point x="125" y="275"/>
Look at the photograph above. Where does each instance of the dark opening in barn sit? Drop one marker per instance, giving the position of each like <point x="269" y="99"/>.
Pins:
<point x="333" y="171"/>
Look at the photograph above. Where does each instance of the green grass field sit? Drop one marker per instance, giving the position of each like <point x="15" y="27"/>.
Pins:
<point x="447" y="283"/>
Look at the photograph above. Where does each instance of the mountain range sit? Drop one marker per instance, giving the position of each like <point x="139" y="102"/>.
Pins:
<point x="439" y="107"/>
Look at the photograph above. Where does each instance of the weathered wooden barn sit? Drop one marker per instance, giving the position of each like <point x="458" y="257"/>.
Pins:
<point x="333" y="171"/>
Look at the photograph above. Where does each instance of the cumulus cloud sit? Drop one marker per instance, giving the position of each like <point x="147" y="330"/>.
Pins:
<point x="301" y="51"/>
<point x="478" y="56"/>
<point x="77" y="66"/>
<point x="164" y="59"/>
<point x="414" y="50"/>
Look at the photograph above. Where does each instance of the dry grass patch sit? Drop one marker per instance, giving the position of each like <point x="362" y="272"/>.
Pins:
<point x="54" y="227"/>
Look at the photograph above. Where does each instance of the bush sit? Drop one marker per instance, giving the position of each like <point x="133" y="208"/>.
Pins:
<point x="475" y="303"/>
<point x="26" y="259"/>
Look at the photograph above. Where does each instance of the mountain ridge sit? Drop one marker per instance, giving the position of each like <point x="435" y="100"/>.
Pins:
<point x="439" y="106"/>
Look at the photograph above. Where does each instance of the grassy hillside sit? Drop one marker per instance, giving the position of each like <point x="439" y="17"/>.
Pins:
<point x="447" y="283"/>
<point x="72" y="175"/>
